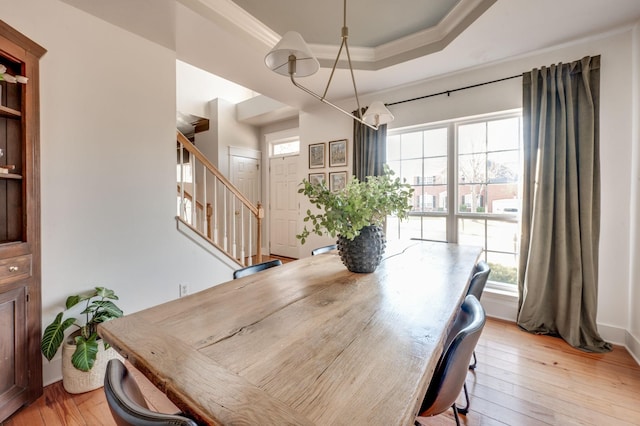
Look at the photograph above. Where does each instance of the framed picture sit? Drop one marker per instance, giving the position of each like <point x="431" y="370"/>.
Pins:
<point x="316" y="178"/>
<point x="338" y="153"/>
<point x="337" y="181"/>
<point x="316" y="155"/>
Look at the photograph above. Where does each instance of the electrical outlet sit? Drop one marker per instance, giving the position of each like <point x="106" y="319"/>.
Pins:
<point x="184" y="290"/>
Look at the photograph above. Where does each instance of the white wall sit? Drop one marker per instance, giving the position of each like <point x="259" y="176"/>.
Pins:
<point x="108" y="164"/>
<point x="633" y="338"/>
<point x="321" y="124"/>
<point x="196" y="87"/>
<point x="231" y="133"/>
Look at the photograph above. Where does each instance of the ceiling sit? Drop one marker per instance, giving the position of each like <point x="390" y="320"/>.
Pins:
<point x="375" y="39"/>
<point x="225" y="39"/>
<point x="324" y="28"/>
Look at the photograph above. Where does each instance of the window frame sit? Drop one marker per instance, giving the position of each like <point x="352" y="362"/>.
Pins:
<point x="452" y="215"/>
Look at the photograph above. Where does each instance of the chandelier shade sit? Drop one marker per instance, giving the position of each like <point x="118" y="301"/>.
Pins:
<point x="377" y="114"/>
<point x="292" y="44"/>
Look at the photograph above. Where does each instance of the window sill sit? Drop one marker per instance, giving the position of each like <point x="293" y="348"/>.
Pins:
<point x="506" y="290"/>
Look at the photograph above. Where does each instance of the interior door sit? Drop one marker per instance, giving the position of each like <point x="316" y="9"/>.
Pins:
<point x="245" y="175"/>
<point x="284" y="206"/>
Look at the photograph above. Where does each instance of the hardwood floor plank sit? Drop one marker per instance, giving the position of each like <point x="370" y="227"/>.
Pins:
<point x="29" y="416"/>
<point x="94" y="408"/>
<point x="546" y="408"/>
<point x="496" y="411"/>
<point x="558" y="380"/>
<point x="578" y="361"/>
<point x="521" y="379"/>
<point x="567" y="364"/>
<point x="60" y="408"/>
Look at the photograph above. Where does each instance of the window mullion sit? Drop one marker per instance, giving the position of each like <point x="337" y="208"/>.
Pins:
<point x="452" y="184"/>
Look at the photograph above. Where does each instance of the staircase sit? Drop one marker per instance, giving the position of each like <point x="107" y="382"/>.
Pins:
<point x="211" y="206"/>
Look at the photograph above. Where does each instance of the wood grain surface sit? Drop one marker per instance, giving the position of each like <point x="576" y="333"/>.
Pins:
<point x="307" y="342"/>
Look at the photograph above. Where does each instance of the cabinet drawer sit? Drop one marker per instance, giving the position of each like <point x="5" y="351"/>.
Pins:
<point x="15" y="268"/>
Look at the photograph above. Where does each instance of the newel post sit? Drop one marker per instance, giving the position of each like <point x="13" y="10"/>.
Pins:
<point x="259" y="218"/>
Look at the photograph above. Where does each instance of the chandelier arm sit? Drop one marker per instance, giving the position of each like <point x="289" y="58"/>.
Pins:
<point x="323" y="100"/>
<point x="333" y="70"/>
<point x="353" y="79"/>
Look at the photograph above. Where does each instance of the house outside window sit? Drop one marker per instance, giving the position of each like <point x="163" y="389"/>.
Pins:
<point x="480" y="161"/>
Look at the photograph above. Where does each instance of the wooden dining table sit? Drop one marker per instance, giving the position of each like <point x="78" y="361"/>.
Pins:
<point x="305" y="343"/>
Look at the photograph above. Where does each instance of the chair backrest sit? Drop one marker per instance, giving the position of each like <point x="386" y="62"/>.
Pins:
<point x="127" y="404"/>
<point x="249" y="270"/>
<point x="479" y="279"/>
<point x="451" y="371"/>
<point x="324" y="249"/>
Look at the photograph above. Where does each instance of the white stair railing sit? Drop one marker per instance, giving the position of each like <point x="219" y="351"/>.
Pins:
<point x="214" y="208"/>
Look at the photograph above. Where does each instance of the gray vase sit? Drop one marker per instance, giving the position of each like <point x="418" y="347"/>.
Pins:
<point x="364" y="253"/>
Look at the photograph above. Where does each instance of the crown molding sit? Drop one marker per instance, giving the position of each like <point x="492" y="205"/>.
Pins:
<point x="421" y="43"/>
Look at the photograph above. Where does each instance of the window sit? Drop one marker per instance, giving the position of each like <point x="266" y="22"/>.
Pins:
<point x="480" y="161"/>
<point x="285" y="148"/>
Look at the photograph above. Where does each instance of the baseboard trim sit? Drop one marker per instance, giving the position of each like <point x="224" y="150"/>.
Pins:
<point x="499" y="304"/>
<point x="633" y="346"/>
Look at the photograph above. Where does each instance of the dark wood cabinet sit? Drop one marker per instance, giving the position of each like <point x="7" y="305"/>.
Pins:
<point x="20" y="300"/>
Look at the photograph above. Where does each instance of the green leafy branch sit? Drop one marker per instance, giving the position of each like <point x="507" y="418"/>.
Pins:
<point x="358" y="204"/>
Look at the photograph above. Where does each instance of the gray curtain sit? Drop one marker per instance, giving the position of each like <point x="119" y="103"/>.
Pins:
<point x="558" y="275"/>
<point x="369" y="149"/>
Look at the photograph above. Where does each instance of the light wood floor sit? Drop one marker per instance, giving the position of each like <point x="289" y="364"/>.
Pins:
<point x="521" y="380"/>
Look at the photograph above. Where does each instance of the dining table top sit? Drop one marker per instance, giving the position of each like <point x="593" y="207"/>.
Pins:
<point x="305" y="343"/>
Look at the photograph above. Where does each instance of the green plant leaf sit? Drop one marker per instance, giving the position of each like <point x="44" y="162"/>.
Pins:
<point x="72" y="301"/>
<point x="106" y="293"/>
<point x="357" y="205"/>
<point x="106" y="309"/>
<point x="54" y="335"/>
<point x="86" y="352"/>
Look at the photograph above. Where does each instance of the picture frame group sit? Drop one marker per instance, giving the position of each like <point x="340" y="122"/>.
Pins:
<point x="337" y="154"/>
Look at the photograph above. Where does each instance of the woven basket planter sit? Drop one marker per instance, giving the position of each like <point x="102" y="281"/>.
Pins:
<point x="77" y="381"/>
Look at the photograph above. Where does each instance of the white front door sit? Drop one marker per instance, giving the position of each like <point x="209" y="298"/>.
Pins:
<point x="245" y="175"/>
<point x="284" y="206"/>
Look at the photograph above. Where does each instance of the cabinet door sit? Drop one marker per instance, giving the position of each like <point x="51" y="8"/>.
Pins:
<point x="13" y="331"/>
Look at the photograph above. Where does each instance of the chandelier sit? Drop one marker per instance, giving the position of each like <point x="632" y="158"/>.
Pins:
<point x="292" y="57"/>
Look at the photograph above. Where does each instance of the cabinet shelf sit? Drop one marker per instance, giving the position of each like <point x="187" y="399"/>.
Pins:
<point x="9" y="112"/>
<point x="10" y="176"/>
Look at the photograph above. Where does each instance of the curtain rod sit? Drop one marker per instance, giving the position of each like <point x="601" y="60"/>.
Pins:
<point x="449" y="92"/>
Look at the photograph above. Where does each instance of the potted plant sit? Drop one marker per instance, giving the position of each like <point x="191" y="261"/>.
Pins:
<point x="356" y="214"/>
<point x="84" y="354"/>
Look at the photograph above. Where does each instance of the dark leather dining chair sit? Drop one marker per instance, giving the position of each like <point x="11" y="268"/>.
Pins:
<point x="127" y="404"/>
<point x="324" y="249"/>
<point x="249" y="270"/>
<point x="478" y="282"/>
<point x="451" y="371"/>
